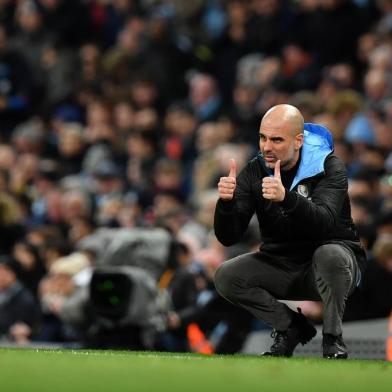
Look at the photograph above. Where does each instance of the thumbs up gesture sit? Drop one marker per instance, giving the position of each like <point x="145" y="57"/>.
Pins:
<point x="272" y="187"/>
<point x="227" y="185"/>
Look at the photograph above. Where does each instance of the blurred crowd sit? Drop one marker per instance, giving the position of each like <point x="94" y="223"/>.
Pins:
<point x="117" y="118"/>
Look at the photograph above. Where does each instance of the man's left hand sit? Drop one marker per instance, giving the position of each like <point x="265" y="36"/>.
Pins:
<point x="272" y="187"/>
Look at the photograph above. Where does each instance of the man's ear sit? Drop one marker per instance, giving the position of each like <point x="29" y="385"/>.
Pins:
<point x="299" y="141"/>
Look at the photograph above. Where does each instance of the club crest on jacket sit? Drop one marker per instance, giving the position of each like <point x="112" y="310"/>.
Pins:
<point x="303" y="190"/>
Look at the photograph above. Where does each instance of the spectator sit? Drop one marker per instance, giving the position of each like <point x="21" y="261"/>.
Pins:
<point x="31" y="38"/>
<point x="373" y="299"/>
<point x="180" y="124"/>
<point x="204" y="97"/>
<point x="19" y="314"/>
<point x="62" y="298"/>
<point x="11" y="226"/>
<point x="56" y="15"/>
<point x="332" y="29"/>
<point x="71" y="148"/>
<point x="180" y="281"/>
<point x="269" y="25"/>
<point x="30" y="267"/>
<point x="16" y="89"/>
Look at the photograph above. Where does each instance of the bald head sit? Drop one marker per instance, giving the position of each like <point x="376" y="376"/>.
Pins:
<point x="281" y="136"/>
<point x="287" y="115"/>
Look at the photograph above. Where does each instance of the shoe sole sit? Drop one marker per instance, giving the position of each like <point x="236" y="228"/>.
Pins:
<point x="336" y="356"/>
<point x="269" y="354"/>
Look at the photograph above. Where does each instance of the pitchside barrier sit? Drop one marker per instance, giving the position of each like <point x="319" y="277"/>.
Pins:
<point x="370" y="339"/>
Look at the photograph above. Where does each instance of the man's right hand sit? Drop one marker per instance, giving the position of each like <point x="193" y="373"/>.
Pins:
<point x="227" y="185"/>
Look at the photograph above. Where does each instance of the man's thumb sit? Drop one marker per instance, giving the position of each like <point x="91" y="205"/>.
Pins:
<point x="277" y="169"/>
<point x="233" y="168"/>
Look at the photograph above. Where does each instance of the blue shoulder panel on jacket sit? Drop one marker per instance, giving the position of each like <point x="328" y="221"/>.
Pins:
<point x="321" y="131"/>
<point x="318" y="144"/>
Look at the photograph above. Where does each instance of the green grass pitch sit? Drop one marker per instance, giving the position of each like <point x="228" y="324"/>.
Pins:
<point x="27" y="370"/>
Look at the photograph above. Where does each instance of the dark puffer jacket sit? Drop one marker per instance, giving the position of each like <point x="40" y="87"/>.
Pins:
<point x="315" y="211"/>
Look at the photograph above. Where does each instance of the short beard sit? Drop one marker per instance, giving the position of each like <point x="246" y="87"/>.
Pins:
<point x="287" y="165"/>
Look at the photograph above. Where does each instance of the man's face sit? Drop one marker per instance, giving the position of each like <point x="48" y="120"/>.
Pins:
<point x="279" y="141"/>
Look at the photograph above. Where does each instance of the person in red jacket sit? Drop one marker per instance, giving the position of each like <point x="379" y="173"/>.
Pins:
<point x="310" y="248"/>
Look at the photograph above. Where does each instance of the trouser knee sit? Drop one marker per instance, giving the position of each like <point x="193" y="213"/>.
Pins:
<point x="330" y="260"/>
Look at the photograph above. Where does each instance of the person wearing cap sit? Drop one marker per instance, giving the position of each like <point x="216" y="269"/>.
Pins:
<point x="109" y="182"/>
<point x="19" y="313"/>
<point x="310" y="248"/>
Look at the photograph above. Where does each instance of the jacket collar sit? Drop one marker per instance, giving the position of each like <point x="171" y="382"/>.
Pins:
<point x="318" y="144"/>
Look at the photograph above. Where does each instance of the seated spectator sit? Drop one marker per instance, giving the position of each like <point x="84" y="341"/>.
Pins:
<point x="180" y="126"/>
<point x="31" y="268"/>
<point x="19" y="313"/>
<point x="16" y="88"/>
<point x="180" y="281"/>
<point x="204" y="97"/>
<point x="11" y="228"/>
<point x="63" y="297"/>
<point x="373" y="299"/>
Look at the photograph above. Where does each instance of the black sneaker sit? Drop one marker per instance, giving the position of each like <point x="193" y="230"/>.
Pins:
<point x="285" y="342"/>
<point x="334" y="347"/>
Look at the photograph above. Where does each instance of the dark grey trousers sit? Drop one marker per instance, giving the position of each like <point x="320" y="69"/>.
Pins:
<point x="256" y="281"/>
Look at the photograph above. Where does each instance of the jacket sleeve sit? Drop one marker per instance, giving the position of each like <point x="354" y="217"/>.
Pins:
<point x="232" y="217"/>
<point x="320" y="214"/>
